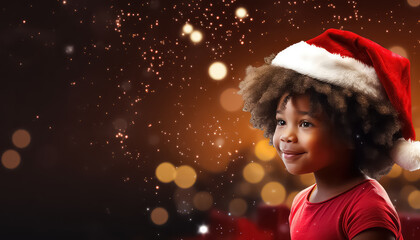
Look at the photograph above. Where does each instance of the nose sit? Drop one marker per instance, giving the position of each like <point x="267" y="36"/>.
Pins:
<point x="288" y="136"/>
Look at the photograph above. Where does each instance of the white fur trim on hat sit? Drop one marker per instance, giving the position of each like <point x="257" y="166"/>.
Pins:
<point x="332" y="68"/>
<point x="406" y="153"/>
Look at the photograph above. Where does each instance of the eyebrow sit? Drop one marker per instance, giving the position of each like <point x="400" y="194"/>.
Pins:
<point x="300" y="112"/>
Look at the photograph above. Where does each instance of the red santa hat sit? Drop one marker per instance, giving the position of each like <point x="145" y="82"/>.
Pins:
<point x="348" y="60"/>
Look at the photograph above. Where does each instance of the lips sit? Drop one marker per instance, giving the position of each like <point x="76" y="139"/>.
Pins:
<point x="291" y="155"/>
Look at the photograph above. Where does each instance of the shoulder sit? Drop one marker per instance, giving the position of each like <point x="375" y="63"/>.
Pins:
<point x="370" y="208"/>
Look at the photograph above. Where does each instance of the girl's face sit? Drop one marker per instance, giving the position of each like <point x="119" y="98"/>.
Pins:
<point x="305" y="143"/>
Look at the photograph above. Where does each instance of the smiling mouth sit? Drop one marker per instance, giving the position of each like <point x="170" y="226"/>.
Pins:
<point x="291" y="156"/>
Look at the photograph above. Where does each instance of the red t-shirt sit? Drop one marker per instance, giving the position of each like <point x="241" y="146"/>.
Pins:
<point x="361" y="207"/>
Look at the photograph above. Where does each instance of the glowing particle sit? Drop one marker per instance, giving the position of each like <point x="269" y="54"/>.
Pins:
<point x="217" y="70"/>
<point x="187" y="29"/>
<point x="241" y="12"/>
<point x="203" y="229"/>
<point x="196" y="36"/>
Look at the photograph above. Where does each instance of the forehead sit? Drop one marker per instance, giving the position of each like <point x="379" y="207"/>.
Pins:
<point x="301" y="102"/>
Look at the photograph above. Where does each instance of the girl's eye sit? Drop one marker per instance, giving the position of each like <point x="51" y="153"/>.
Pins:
<point x="306" y="124"/>
<point x="281" y="122"/>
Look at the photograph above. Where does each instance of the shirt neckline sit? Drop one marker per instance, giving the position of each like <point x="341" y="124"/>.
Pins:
<point x="331" y="198"/>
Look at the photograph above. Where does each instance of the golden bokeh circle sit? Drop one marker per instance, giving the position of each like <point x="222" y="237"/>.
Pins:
<point x="238" y="207"/>
<point x="159" y="216"/>
<point x="399" y="50"/>
<point x="290" y="197"/>
<point x="165" y="172"/>
<point x="253" y="172"/>
<point x="264" y="151"/>
<point x="395" y="171"/>
<point x="10" y="159"/>
<point x="21" y="138"/>
<point x="411" y="176"/>
<point x="273" y="193"/>
<point x="414" y="199"/>
<point x="185" y="176"/>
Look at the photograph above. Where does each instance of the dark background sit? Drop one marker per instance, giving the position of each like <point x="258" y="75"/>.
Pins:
<point x="71" y="70"/>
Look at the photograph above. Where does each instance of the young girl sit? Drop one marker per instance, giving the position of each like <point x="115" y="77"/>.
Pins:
<point x="339" y="106"/>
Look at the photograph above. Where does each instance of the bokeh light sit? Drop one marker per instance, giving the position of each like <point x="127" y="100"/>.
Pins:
<point x="185" y="176"/>
<point x="10" y="159"/>
<point x="21" y="138"/>
<point x="203" y="201"/>
<point x="187" y="29"/>
<point x="159" y="216"/>
<point x="406" y="190"/>
<point x="273" y="193"/>
<point x="253" y="172"/>
<point x="413" y="3"/>
<point x="395" y="171"/>
<point x="399" y="50"/>
<point x="307" y="179"/>
<point x="414" y="199"/>
<point x="411" y="176"/>
<point x="165" y="172"/>
<point x="196" y="36"/>
<point x="230" y="100"/>
<point x="238" y="207"/>
<point x="241" y="12"/>
<point x="264" y="151"/>
<point x="290" y="197"/>
<point x="217" y="70"/>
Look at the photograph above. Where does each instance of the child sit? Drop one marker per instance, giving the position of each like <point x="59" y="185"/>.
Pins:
<point x="338" y="105"/>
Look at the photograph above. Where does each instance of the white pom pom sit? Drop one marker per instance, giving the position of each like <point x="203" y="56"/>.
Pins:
<point x="407" y="154"/>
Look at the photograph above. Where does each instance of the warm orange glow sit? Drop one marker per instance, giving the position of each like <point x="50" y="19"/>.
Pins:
<point x="307" y="179"/>
<point x="399" y="50"/>
<point x="253" y="172"/>
<point x="414" y="199"/>
<point x="290" y="197"/>
<point x="411" y="176"/>
<point x="264" y="151"/>
<point x="185" y="176"/>
<point x="21" y="138"/>
<point x="230" y="100"/>
<point x="165" y="172"/>
<point x="395" y="171"/>
<point x="10" y="159"/>
<point x="159" y="216"/>
<point x="273" y="193"/>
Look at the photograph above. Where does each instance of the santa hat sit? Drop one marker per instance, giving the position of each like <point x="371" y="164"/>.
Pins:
<point x="348" y="60"/>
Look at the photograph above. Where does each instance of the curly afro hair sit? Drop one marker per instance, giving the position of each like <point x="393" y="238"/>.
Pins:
<point x="369" y="125"/>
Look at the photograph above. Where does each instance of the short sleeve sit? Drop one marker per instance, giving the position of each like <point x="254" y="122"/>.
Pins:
<point x="371" y="211"/>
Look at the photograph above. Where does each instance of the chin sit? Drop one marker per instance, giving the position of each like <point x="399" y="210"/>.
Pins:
<point x="296" y="171"/>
